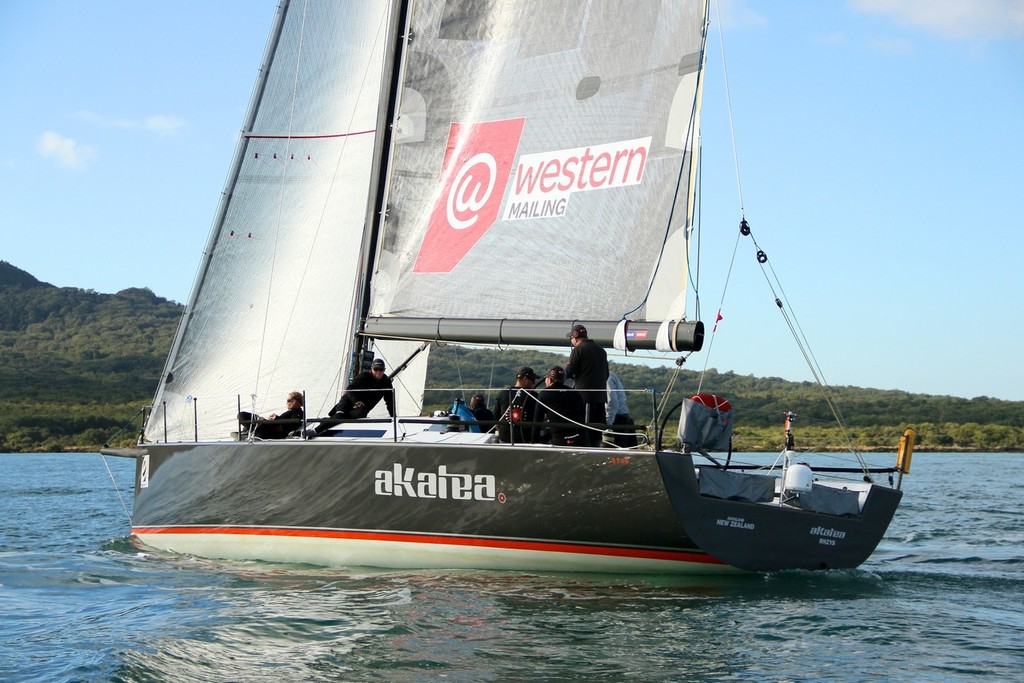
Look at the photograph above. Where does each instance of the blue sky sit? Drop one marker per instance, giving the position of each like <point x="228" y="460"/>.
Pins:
<point x="879" y="145"/>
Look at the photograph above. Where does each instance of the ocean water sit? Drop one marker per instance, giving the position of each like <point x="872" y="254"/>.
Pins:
<point x="941" y="599"/>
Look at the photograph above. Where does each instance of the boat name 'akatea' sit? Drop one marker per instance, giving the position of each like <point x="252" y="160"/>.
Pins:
<point x="827" y="532"/>
<point x="406" y="481"/>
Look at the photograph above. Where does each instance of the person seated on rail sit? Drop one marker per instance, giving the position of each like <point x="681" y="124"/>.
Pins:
<point x="361" y="396"/>
<point x="274" y="426"/>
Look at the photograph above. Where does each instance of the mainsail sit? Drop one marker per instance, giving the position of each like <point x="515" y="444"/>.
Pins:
<point x="541" y="168"/>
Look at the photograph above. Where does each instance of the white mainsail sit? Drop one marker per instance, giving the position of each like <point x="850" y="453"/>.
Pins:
<point x="272" y="307"/>
<point x="544" y="161"/>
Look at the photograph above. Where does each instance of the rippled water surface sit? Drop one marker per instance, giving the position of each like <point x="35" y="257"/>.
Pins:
<point x="941" y="599"/>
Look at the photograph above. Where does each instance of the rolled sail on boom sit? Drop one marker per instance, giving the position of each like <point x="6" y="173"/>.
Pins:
<point x="626" y="335"/>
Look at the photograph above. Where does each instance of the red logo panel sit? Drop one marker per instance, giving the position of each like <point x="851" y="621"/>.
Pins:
<point x="477" y="164"/>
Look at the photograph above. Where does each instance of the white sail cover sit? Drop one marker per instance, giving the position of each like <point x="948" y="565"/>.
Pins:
<point x="272" y="308"/>
<point x="542" y="162"/>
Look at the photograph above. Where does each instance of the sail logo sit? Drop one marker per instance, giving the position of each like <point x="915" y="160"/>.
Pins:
<point x="477" y="164"/>
<point x="545" y="181"/>
<point x="471" y="190"/>
<point x="406" y="481"/>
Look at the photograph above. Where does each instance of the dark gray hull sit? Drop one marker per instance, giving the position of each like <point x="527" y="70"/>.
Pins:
<point x="413" y="505"/>
<point x="401" y="505"/>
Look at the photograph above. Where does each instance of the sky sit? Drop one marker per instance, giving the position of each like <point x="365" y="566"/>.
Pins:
<point x="876" y="148"/>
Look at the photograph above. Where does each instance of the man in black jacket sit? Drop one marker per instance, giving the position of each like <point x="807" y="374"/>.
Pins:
<point x="365" y="392"/>
<point x="515" y="406"/>
<point x="588" y="366"/>
<point x="562" y="408"/>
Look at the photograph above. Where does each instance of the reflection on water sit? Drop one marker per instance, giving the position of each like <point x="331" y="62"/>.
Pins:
<point x="260" y="622"/>
<point x="939" y="600"/>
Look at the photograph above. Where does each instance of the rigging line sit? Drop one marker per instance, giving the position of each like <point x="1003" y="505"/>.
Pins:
<point x="116" y="488"/>
<point x="795" y="329"/>
<point x="739" y="192"/>
<point x="801" y="340"/>
<point x="728" y="105"/>
<point x="666" y="395"/>
<point x="689" y="142"/>
<point x="792" y="312"/>
<point x="568" y="420"/>
<point x="721" y="305"/>
<point x="798" y="332"/>
<point x="826" y="392"/>
<point x="693" y="274"/>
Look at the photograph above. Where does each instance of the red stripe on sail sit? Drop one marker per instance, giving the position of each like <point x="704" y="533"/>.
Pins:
<point x="253" y="136"/>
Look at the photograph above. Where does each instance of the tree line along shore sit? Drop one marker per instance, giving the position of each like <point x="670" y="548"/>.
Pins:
<point x="77" y="366"/>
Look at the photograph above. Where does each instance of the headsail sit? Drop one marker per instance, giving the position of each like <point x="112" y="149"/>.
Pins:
<point x="542" y="166"/>
<point x="272" y="307"/>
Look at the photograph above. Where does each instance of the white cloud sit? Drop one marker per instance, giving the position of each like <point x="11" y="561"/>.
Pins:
<point x="891" y="46"/>
<point x="161" y="124"/>
<point x="164" y="125"/>
<point x="64" y="151"/>
<point x="833" y="38"/>
<point x="734" y="13"/>
<point x="982" y="19"/>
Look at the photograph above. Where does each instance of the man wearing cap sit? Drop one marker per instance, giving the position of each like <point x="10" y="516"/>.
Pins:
<point x="588" y="366"/>
<point x="515" y="406"/>
<point x="365" y="392"/>
<point x="562" y="409"/>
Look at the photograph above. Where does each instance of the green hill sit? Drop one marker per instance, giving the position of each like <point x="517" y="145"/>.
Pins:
<point x="76" y="366"/>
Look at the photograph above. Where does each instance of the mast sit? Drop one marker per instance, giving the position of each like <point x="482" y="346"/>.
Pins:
<point x="376" y="205"/>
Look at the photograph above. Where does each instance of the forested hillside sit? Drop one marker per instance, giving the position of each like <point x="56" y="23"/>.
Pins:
<point x="76" y="366"/>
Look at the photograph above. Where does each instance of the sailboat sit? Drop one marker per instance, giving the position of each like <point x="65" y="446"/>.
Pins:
<point x="483" y="173"/>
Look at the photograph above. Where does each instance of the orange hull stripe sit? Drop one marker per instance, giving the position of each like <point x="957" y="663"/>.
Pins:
<point x="671" y="555"/>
